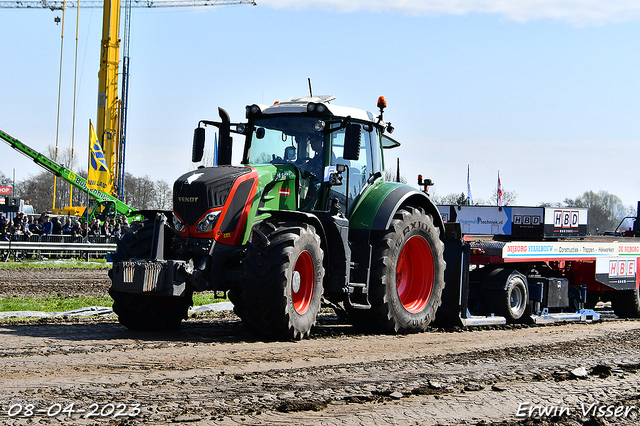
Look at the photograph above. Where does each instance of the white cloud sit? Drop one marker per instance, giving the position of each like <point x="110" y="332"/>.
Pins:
<point x="577" y="12"/>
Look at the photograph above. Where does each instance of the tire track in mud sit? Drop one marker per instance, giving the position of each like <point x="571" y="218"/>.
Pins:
<point x="48" y="282"/>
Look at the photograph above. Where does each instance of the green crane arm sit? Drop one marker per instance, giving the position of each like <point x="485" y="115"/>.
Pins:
<point x="66" y="174"/>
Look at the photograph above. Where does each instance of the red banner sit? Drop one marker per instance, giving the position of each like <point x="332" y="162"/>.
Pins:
<point x="5" y="190"/>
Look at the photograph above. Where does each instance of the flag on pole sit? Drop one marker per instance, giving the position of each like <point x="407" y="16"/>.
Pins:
<point x="99" y="176"/>
<point x="469" y="193"/>
<point x="500" y="197"/>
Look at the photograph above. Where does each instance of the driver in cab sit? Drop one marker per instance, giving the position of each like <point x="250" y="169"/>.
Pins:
<point x="315" y="164"/>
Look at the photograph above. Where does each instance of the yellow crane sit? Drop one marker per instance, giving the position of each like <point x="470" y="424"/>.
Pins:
<point x="111" y="120"/>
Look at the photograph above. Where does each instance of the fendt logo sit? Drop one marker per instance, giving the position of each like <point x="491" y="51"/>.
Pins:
<point x="565" y="219"/>
<point x="187" y="199"/>
<point x="5" y="190"/>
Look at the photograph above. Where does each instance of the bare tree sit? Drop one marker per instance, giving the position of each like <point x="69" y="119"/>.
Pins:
<point x="38" y="190"/>
<point x="510" y="198"/>
<point x="140" y="192"/>
<point x="605" y="210"/>
<point x="451" y="199"/>
<point x="5" y="180"/>
<point x="164" y="194"/>
<point x="391" y="175"/>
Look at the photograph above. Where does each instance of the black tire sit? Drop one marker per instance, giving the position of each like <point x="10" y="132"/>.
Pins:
<point x="511" y="302"/>
<point x="145" y="311"/>
<point x="281" y="289"/>
<point x="626" y="303"/>
<point x="407" y="275"/>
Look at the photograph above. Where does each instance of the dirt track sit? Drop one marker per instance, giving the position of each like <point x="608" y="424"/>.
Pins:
<point x="213" y="372"/>
<point x="47" y="282"/>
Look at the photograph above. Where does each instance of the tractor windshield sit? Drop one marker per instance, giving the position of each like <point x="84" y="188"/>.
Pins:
<point x="285" y="139"/>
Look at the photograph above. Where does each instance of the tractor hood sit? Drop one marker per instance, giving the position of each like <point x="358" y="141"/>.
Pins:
<point x="213" y="202"/>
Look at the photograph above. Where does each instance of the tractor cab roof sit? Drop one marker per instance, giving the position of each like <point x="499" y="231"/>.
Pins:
<point x="311" y="104"/>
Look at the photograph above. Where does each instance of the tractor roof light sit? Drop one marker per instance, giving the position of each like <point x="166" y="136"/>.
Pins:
<point x="253" y="110"/>
<point x="241" y="128"/>
<point x="390" y="128"/>
<point x="382" y="102"/>
<point x="320" y="108"/>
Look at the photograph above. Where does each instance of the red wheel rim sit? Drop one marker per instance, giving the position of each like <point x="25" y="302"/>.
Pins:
<point x="415" y="274"/>
<point x="302" y="283"/>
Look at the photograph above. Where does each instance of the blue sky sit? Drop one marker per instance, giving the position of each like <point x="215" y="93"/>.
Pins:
<point x="545" y="91"/>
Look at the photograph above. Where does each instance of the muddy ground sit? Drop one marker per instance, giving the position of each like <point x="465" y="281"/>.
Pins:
<point x="47" y="282"/>
<point x="213" y="372"/>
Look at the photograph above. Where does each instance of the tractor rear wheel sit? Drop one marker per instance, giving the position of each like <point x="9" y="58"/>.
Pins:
<point x="281" y="288"/>
<point x="407" y="275"/>
<point x="626" y="303"/>
<point x="145" y="311"/>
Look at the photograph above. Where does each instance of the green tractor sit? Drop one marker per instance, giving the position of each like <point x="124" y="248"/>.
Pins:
<point x="306" y="220"/>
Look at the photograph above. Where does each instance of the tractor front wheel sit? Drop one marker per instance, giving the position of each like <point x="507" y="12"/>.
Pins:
<point x="281" y="289"/>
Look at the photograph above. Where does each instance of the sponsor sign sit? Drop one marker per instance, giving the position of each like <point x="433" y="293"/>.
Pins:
<point x="565" y="222"/>
<point x="618" y="272"/>
<point x="527" y="221"/>
<point x="483" y="220"/>
<point x="517" y="221"/>
<point x="558" y="250"/>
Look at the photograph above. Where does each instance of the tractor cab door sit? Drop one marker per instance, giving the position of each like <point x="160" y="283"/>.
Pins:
<point x="358" y="171"/>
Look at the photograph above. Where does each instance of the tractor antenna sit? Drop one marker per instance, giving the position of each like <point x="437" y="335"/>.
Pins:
<point x="310" y="90"/>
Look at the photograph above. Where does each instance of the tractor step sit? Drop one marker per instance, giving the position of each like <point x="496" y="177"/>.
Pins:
<point x="358" y="295"/>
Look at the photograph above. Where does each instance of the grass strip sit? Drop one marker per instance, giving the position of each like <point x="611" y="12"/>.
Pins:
<point x="61" y="304"/>
<point x="57" y="264"/>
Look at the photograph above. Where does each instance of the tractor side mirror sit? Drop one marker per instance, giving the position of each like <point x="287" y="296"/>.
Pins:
<point x="198" y="145"/>
<point x="225" y="143"/>
<point x="352" y="138"/>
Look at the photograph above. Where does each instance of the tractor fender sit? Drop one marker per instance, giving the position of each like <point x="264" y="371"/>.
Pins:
<point x="299" y="216"/>
<point x="385" y="200"/>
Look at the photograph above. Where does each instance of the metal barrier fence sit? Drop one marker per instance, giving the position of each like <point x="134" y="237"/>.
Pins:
<point x="40" y="247"/>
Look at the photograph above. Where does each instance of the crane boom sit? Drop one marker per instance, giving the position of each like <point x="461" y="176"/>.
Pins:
<point x="99" y="4"/>
<point x="67" y="174"/>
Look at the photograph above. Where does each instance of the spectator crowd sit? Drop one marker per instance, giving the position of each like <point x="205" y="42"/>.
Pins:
<point x="29" y="226"/>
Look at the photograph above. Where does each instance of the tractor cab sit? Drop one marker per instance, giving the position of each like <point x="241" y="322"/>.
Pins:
<point x="334" y="152"/>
